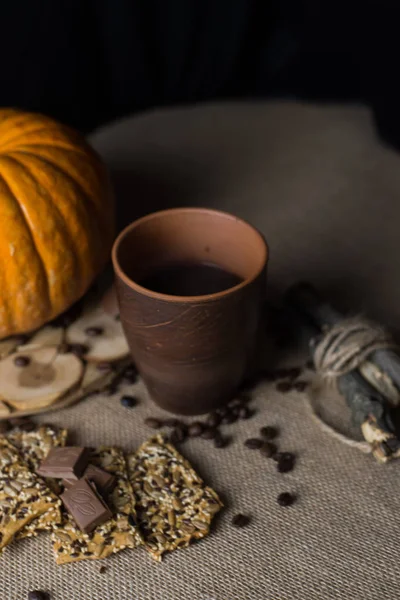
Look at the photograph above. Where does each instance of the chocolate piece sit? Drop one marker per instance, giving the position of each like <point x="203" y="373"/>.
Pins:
<point x="85" y="506"/>
<point x="65" y="463"/>
<point x="103" y="481"/>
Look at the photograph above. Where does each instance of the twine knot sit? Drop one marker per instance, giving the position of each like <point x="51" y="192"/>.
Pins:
<point x="347" y="345"/>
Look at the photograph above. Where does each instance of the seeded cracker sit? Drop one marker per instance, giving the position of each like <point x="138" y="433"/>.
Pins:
<point x="174" y="505"/>
<point x="23" y="495"/>
<point x="34" y="446"/>
<point x="72" y="545"/>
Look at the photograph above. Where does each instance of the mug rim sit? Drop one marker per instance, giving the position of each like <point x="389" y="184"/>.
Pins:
<point x="186" y="299"/>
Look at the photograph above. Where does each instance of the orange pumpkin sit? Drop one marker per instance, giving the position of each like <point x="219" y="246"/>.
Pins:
<point x="56" y="219"/>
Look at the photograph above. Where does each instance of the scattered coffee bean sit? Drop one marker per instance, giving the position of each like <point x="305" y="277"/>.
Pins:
<point x="128" y="401"/>
<point x="229" y="418"/>
<point x="79" y="350"/>
<point x="284" y="386"/>
<point x="172" y="423"/>
<point x="195" y="429"/>
<point x="220" y="441"/>
<point x="300" y="386"/>
<point x="245" y="412"/>
<point x="269" y="433"/>
<point x="153" y="423"/>
<point x="240" y="520"/>
<point x="22" y="361"/>
<point x="94" y="331"/>
<point x="213" y="419"/>
<point x="209" y="433"/>
<point x="38" y="595"/>
<point x="131" y="374"/>
<point x="285" y="462"/>
<point x="268" y="449"/>
<point x="102" y="570"/>
<point x="253" y="443"/>
<point x="286" y="499"/>
<point x="178" y="435"/>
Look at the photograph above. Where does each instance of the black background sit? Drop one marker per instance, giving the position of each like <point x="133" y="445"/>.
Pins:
<point x="87" y="62"/>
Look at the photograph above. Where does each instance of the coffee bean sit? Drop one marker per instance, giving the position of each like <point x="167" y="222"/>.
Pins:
<point x="229" y="418"/>
<point x="284" y="386"/>
<point x="178" y="435"/>
<point x="240" y="520"/>
<point x="213" y="419"/>
<point x="94" y="331"/>
<point x="300" y="386"/>
<point x="220" y="441"/>
<point x="269" y="433"/>
<point x="79" y="350"/>
<point x="245" y="412"/>
<point x="153" y="423"/>
<point x="209" y="433"/>
<point x="253" y="443"/>
<point x="131" y="374"/>
<point x="172" y="423"/>
<point x="21" y="361"/>
<point x="102" y="570"/>
<point x="268" y="450"/>
<point x="285" y="462"/>
<point x="195" y="429"/>
<point x="286" y="499"/>
<point x="128" y="401"/>
<point x="38" y="595"/>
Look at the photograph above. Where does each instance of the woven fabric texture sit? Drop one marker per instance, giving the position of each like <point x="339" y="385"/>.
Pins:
<point x="325" y="193"/>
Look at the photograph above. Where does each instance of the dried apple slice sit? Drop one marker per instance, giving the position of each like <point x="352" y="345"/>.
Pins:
<point x="101" y="334"/>
<point x="37" y="378"/>
<point x="47" y="336"/>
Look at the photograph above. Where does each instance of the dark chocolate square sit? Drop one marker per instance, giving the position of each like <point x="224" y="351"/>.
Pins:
<point x="85" y="506"/>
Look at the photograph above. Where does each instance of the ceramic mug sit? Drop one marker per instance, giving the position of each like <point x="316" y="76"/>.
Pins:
<point x="192" y="351"/>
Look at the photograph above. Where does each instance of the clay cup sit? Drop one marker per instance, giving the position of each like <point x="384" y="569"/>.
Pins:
<point x="193" y="352"/>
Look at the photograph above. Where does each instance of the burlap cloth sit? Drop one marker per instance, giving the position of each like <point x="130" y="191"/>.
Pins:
<point x="326" y="195"/>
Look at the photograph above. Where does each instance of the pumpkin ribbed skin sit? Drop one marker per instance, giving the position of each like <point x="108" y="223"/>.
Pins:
<point x="56" y="219"/>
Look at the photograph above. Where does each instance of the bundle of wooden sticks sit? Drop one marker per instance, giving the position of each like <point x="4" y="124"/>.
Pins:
<point x="372" y="389"/>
